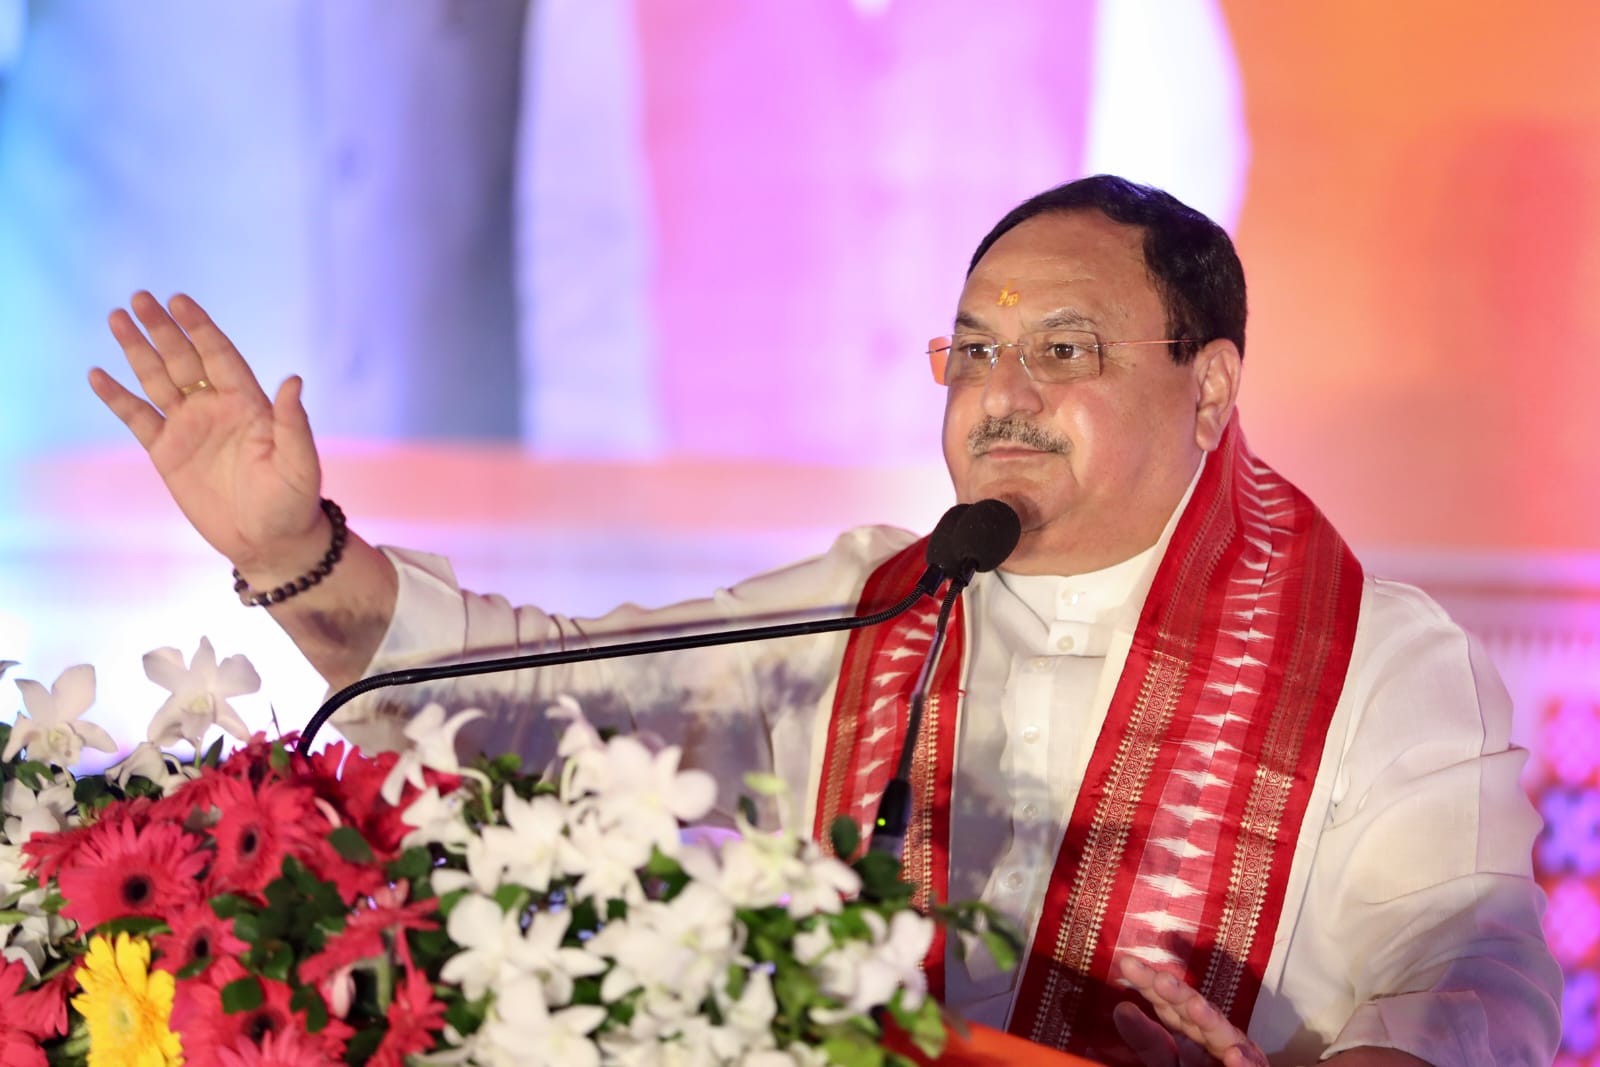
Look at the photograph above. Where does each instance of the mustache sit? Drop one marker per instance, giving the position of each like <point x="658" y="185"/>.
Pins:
<point x="991" y="430"/>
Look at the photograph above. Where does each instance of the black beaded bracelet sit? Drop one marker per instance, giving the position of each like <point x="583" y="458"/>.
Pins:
<point x="251" y="599"/>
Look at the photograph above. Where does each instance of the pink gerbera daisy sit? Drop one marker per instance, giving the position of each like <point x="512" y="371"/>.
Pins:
<point x="257" y="827"/>
<point x="208" y="1030"/>
<point x="353" y="785"/>
<point x="363" y="937"/>
<point x="48" y="853"/>
<point x="286" y="1048"/>
<point x="415" y="1015"/>
<point x="25" y="1018"/>
<point x="41" y="1011"/>
<point x="123" y="871"/>
<point x="197" y="935"/>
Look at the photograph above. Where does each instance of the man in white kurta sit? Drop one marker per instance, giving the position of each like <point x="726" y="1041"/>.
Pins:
<point x="1412" y="920"/>
<point x="1386" y="913"/>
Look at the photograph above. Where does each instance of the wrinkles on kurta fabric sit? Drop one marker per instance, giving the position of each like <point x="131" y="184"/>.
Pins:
<point x="1179" y="846"/>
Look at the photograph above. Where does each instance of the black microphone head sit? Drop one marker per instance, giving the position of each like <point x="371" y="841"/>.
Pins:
<point x="986" y="533"/>
<point x="944" y="545"/>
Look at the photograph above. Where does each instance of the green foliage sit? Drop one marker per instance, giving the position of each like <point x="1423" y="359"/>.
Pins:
<point x="999" y="935"/>
<point x="412" y="864"/>
<point x="880" y="878"/>
<point x="137" y="925"/>
<point x="306" y="999"/>
<point x="242" y="994"/>
<point x="747" y="811"/>
<point x="92" y="792"/>
<point x="212" y="757"/>
<point x="348" y="842"/>
<point x="364" y="1044"/>
<point x="845" y="836"/>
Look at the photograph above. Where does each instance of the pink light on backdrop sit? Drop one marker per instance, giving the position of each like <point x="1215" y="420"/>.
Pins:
<point x="820" y="179"/>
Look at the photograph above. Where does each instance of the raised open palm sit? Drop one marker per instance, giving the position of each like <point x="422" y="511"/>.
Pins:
<point x="242" y="468"/>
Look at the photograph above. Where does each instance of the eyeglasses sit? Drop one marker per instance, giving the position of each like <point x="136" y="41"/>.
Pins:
<point x="1048" y="357"/>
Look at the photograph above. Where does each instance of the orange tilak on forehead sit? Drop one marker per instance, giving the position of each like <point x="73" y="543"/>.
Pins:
<point x="1008" y="296"/>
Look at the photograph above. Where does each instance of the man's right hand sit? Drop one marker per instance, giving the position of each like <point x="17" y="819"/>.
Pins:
<point x="242" y="468"/>
<point x="244" y="471"/>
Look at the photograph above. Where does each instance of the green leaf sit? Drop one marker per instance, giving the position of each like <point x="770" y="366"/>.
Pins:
<point x="411" y="864"/>
<point x="738" y="978"/>
<point x="194" y="968"/>
<point x="1002" y="946"/>
<point x="35" y="774"/>
<point x="279" y="962"/>
<point x="512" y="897"/>
<point x="137" y="925"/>
<point x="852" y="1052"/>
<point x="247" y="927"/>
<point x="925" y="1026"/>
<point x="747" y="808"/>
<point x="90" y="790"/>
<point x="348" y="842"/>
<point x="505" y="766"/>
<point x="278" y="757"/>
<point x="661" y="865"/>
<point x="242" y="994"/>
<point x="213" y="755"/>
<point x="766" y="785"/>
<point x="307" y="999"/>
<point x="448" y="902"/>
<point x="464" y="1016"/>
<point x="880" y="877"/>
<point x="229" y="905"/>
<point x="364" y="1044"/>
<point x="140" y="786"/>
<point x="846" y="837"/>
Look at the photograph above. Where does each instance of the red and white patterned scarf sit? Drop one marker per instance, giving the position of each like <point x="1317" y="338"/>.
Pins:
<point x="1179" y="844"/>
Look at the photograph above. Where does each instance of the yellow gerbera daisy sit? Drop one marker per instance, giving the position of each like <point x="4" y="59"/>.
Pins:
<point x="126" y="1007"/>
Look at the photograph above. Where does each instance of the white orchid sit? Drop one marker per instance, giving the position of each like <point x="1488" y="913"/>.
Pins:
<point x="432" y="740"/>
<point x="488" y="936"/>
<point x="675" y="950"/>
<point x="863" y="975"/>
<point x="532" y="847"/>
<point x="51" y="731"/>
<point x="42" y="812"/>
<point x="531" y="1035"/>
<point x="606" y="861"/>
<point x="751" y="1015"/>
<point x="148" y="761"/>
<point x="436" y="820"/>
<point x="821" y="883"/>
<point x="542" y="956"/>
<point x="529" y="851"/>
<point x="644" y="791"/>
<point x="34" y="932"/>
<point x="199" y="693"/>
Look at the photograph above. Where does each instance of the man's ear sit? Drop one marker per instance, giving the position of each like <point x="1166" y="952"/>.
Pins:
<point x="1217" y="369"/>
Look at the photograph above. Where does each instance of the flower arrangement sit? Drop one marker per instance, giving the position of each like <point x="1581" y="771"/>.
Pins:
<point x="270" y="907"/>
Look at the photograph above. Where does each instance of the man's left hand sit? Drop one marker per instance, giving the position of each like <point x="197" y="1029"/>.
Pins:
<point x="1191" y="1031"/>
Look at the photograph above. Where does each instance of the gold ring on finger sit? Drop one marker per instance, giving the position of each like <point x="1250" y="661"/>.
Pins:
<point x="187" y="390"/>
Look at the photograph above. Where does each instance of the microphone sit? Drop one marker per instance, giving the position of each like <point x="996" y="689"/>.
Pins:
<point x="980" y="539"/>
<point x="948" y="535"/>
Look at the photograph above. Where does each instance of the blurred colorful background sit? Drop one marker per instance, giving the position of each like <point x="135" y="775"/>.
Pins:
<point x="625" y="300"/>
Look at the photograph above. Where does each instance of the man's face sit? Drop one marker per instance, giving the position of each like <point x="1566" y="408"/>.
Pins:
<point x="1094" y="467"/>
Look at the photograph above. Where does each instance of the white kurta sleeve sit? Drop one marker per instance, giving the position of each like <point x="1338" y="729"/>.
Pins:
<point x="722" y="704"/>
<point x="1422" y="910"/>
